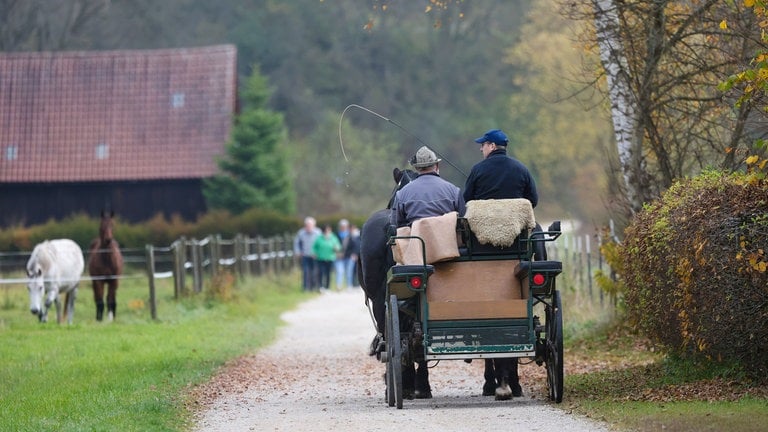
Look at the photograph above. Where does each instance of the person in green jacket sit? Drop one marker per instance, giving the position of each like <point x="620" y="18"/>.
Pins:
<point x="325" y="248"/>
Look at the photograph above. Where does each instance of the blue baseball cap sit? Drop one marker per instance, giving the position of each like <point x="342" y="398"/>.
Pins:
<point x="495" y="136"/>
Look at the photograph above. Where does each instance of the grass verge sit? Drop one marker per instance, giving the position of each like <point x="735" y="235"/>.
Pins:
<point x="613" y="376"/>
<point x="128" y="375"/>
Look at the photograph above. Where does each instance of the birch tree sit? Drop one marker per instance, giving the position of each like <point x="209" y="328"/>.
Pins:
<point x="614" y="61"/>
<point x="660" y="63"/>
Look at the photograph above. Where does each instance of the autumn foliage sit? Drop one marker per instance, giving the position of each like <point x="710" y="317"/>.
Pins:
<point x="694" y="269"/>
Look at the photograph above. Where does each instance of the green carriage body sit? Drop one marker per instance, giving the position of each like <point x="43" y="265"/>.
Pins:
<point x="480" y="304"/>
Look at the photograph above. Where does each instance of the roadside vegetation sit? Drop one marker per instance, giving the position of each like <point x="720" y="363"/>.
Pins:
<point x="132" y="374"/>
<point x="684" y="349"/>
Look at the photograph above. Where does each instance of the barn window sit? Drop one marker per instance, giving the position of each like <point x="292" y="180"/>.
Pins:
<point x="11" y="153"/>
<point x="177" y="100"/>
<point x="102" y="151"/>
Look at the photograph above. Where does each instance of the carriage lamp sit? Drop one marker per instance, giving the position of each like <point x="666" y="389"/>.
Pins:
<point x="416" y="282"/>
<point x="538" y="279"/>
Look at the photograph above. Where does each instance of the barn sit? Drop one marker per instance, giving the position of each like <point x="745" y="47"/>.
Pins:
<point x="133" y="131"/>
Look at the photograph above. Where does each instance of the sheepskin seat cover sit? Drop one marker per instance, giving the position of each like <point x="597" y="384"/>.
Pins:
<point x="499" y="221"/>
<point x="439" y="235"/>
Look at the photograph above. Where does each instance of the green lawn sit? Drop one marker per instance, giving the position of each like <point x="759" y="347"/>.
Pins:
<point x="130" y="374"/>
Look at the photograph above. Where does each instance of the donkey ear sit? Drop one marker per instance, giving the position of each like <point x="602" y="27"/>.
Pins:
<point x="397" y="174"/>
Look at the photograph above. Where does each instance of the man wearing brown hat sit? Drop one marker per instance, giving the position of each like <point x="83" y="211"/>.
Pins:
<point x="427" y="195"/>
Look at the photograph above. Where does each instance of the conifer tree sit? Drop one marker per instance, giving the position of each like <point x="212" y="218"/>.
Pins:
<point x="255" y="169"/>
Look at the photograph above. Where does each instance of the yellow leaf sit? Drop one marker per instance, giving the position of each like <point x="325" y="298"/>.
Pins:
<point x="749" y="3"/>
<point x="723" y="25"/>
<point x="752" y="159"/>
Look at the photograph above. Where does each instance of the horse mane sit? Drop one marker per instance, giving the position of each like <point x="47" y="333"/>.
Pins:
<point x="42" y="256"/>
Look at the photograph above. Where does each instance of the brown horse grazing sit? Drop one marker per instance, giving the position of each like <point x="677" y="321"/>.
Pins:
<point x="105" y="265"/>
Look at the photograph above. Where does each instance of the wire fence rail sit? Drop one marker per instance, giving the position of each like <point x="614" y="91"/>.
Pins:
<point x="188" y="261"/>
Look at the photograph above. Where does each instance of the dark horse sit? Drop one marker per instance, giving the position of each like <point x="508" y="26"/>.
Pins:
<point x="105" y="265"/>
<point x="374" y="261"/>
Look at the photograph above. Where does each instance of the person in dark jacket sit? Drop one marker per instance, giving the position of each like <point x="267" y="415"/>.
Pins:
<point x="499" y="176"/>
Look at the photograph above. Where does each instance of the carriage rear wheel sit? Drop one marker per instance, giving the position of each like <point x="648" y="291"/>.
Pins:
<point x="395" y="354"/>
<point x="554" y="348"/>
<point x="385" y="356"/>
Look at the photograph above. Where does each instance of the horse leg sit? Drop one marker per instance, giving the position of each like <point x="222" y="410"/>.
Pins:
<point x="409" y="381"/>
<point x="503" y="391"/>
<point x="379" y="311"/>
<point x="423" y="389"/>
<point x="98" y="296"/>
<point x="112" y="299"/>
<point x="57" y="302"/>
<point x="69" y="306"/>
<point x="517" y="390"/>
<point x="489" y="387"/>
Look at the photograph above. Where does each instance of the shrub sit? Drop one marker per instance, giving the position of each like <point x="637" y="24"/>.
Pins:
<point x="695" y="274"/>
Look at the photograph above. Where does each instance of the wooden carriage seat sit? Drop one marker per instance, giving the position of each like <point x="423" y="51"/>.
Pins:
<point x="476" y="290"/>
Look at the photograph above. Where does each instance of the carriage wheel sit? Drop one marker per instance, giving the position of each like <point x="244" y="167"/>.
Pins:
<point x="396" y="353"/>
<point x="394" y="374"/>
<point x="554" y="350"/>
<point x="388" y="378"/>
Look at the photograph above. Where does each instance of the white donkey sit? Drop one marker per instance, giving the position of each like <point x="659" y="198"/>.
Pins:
<point x="55" y="267"/>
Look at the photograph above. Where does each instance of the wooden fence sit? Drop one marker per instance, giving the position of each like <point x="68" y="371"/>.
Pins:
<point x="190" y="261"/>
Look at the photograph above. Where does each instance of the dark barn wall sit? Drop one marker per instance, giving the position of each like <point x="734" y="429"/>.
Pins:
<point x="35" y="203"/>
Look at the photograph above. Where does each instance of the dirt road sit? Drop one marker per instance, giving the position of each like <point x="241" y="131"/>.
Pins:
<point x="318" y="377"/>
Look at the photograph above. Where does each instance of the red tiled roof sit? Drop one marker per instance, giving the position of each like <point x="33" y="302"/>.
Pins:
<point x="115" y="115"/>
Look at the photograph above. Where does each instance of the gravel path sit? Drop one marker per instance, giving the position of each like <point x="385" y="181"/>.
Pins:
<point x="318" y="377"/>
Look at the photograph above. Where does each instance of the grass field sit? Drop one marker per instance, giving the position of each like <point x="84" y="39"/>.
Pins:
<point x="131" y="374"/>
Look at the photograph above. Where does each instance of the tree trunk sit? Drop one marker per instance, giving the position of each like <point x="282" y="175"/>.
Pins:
<point x="623" y="104"/>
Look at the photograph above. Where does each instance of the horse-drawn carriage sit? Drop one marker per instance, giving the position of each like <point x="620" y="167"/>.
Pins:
<point x="467" y="297"/>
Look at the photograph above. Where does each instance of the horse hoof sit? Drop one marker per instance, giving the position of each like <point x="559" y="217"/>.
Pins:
<point x="489" y="390"/>
<point x="408" y="394"/>
<point x="503" y="393"/>
<point x="421" y="394"/>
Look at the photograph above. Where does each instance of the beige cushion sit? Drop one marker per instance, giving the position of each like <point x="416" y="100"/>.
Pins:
<point x="439" y="235"/>
<point x="499" y="222"/>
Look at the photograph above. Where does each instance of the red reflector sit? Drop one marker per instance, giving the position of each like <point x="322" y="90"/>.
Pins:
<point x="538" y="279"/>
<point x="415" y="282"/>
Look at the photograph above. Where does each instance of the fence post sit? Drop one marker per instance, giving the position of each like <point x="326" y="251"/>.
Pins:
<point x="215" y="254"/>
<point x="240" y="258"/>
<point x="197" y="270"/>
<point x="288" y="241"/>
<point x="272" y="256"/>
<point x="180" y="261"/>
<point x="587" y="241"/>
<point x="150" y="253"/>
<point x="260" y="253"/>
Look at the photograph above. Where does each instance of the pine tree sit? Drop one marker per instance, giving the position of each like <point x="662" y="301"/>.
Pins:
<point x="254" y="169"/>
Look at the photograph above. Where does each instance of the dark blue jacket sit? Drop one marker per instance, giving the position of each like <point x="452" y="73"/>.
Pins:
<point x="498" y="177"/>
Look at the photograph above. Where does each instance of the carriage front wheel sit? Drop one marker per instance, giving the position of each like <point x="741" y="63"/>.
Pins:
<point x="554" y="349"/>
<point x="394" y="374"/>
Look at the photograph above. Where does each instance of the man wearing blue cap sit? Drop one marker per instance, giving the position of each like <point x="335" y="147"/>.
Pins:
<point x="499" y="176"/>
